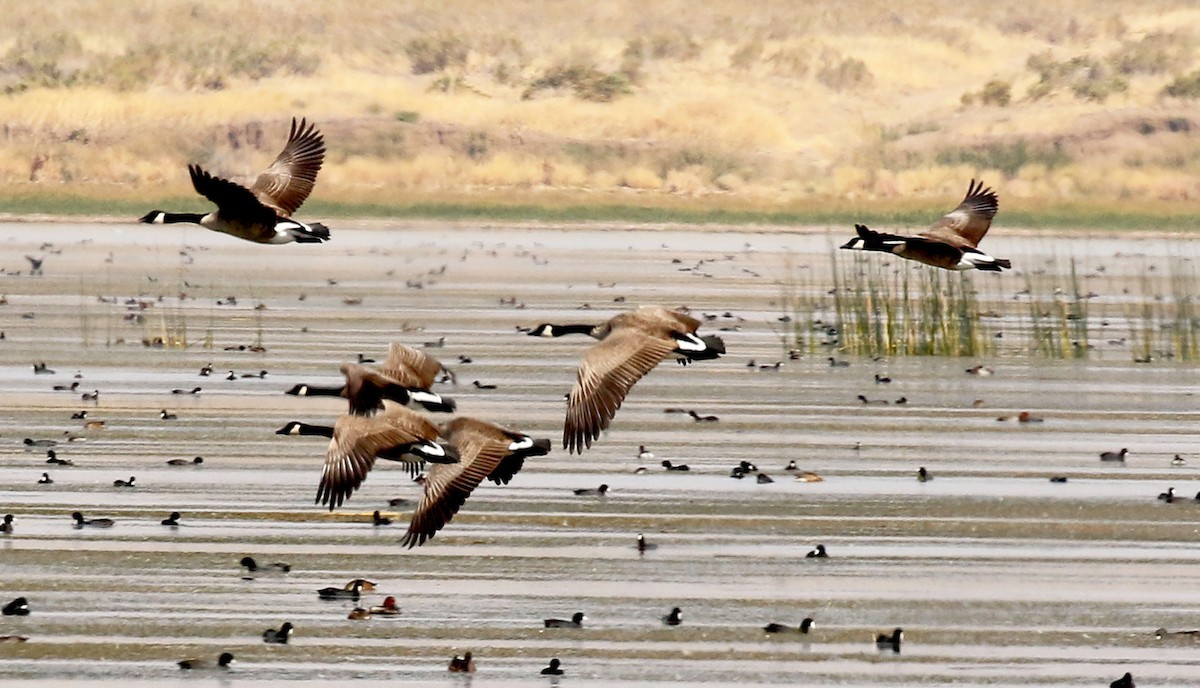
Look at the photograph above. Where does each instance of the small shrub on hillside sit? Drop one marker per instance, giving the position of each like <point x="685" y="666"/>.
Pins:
<point x="790" y="62"/>
<point x="1184" y="86"/>
<point x="429" y="54"/>
<point x="585" y="81"/>
<point x="1157" y="53"/>
<point x="845" y="74"/>
<point x="747" y="55"/>
<point x="675" y="45"/>
<point x="51" y="60"/>
<point x="994" y="92"/>
<point x="1009" y="157"/>
<point x="1083" y="76"/>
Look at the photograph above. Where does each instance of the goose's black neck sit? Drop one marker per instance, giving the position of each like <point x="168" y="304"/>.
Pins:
<point x="321" y="430"/>
<point x="172" y="218"/>
<point x="560" y="330"/>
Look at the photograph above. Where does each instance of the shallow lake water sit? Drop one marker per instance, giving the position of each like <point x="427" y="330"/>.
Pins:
<point x="998" y="576"/>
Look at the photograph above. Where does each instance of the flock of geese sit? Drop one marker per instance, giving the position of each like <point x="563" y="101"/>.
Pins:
<point x="387" y="404"/>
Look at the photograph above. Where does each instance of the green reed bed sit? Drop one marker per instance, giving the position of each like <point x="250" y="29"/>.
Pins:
<point x="1047" y="309"/>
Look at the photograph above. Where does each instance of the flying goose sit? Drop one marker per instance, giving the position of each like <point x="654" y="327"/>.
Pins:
<point x="356" y="441"/>
<point x="416" y="371"/>
<point x="262" y="213"/>
<point x="485" y="450"/>
<point x="366" y="389"/>
<point x="950" y="243"/>
<point x="631" y="345"/>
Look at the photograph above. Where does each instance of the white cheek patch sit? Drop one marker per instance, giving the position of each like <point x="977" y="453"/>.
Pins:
<point x="159" y="219"/>
<point x="525" y="443"/>
<point x="690" y="342"/>
<point x="430" y="397"/>
<point x="432" y="449"/>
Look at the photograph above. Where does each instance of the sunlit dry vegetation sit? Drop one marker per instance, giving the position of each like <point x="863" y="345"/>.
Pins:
<point x="767" y="106"/>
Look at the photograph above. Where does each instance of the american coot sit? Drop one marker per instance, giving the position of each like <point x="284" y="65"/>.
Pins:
<point x="222" y="662"/>
<point x="950" y="243"/>
<point x="1114" y="456"/>
<point x="804" y="627"/>
<point x="462" y="665"/>
<point x="890" y="642"/>
<point x="81" y="522"/>
<point x="280" y="636"/>
<point x="631" y="345"/>
<point x="267" y="569"/>
<point x="18" y="607"/>
<point x="576" y="621"/>
<point x="553" y="669"/>
<point x="262" y="213"/>
<point x="1125" y="681"/>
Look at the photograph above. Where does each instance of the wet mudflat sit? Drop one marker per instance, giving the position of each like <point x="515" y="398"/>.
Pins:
<point x="998" y="576"/>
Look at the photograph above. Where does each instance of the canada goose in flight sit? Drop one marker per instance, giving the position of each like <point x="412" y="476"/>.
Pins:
<point x="416" y="371"/>
<point x="485" y="450"/>
<point x="631" y="345"/>
<point x="356" y="441"/>
<point x="366" y="388"/>
<point x="223" y="662"/>
<point x="950" y="243"/>
<point x="262" y="213"/>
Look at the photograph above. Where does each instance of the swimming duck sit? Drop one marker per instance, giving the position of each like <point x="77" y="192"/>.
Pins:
<point x="352" y="591"/>
<point x="359" y="614"/>
<point x="485" y="450"/>
<point x="1168" y="496"/>
<point x="388" y="608"/>
<point x="194" y="390"/>
<point x="923" y="476"/>
<point x="18" y="607"/>
<point x="645" y="454"/>
<point x="791" y="467"/>
<point x="40" y="368"/>
<point x="462" y="665"/>
<point x="592" y="492"/>
<point x="631" y="345"/>
<point x="818" y="553"/>
<point x="763" y="479"/>
<point x="167" y="415"/>
<point x="67" y="388"/>
<point x="808" y="477"/>
<point x="670" y="467"/>
<point x="45" y="480"/>
<point x="172" y="520"/>
<point x="576" y="621"/>
<point x="397" y="434"/>
<point x="222" y="662"/>
<point x="81" y="522"/>
<point x="206" y="370"/>
<point x="380" y="520"/>
<point x="93" y="395"/>
<point x="280" y="636"/>
<point x="7" y="526"/>
<point x="950" y="243"/>
<point x="553" y="668"/>
<point x="674" y="617"/>
<point x="702" y="419"/>
<point x="1114" y="456"/>
<point x="1125" y="681"/>
<point x="262" y="213"/>
<point x="1058" y="479"/>
<point x="1178" y="461"/>
<point x="268" y="569"/>
<point x="804" y="627"/>
<point x="642" y="545"/>
<point x="890" y="642"/>
<point x="39" y="443"/>
<point x="186" y="462"/>
<point x="124" y="483"/>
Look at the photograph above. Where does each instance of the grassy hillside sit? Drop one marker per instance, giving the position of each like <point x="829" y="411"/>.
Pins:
<point x="750" y="108"/>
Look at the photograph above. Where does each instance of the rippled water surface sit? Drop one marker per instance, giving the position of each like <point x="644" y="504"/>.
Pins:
<point x="998" y="576"/>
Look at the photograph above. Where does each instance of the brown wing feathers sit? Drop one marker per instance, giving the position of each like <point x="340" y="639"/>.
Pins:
<point x="286" y="184"/>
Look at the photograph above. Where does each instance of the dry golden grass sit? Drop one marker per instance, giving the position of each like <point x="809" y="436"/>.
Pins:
<point x="765" y="105"/>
